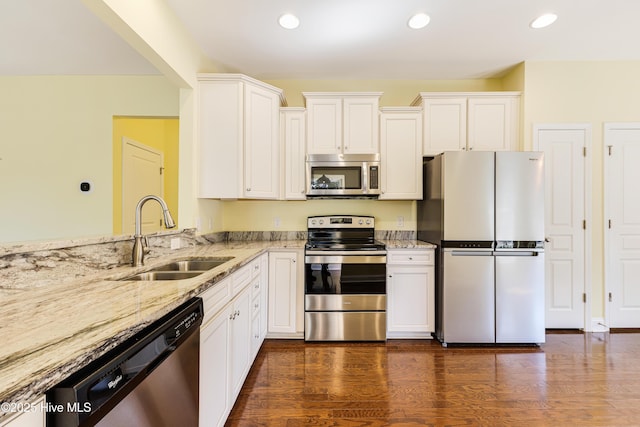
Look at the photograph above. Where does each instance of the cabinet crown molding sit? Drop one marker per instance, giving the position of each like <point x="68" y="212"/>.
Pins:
<point x="236" y="77"/>
<point x="340" y="94"/>
<point x="430" y="95"/>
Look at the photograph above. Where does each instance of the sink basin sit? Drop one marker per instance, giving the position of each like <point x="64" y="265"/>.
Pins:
<point x="194" y="264"/>
<point x="178" y="270"/>
<point x="164" y="275"/>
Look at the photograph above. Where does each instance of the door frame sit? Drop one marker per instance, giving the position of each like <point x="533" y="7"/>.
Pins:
<point x="590" y="325"/>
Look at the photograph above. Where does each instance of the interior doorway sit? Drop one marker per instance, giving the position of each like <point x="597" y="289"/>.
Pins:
<point x="159" y="134"/>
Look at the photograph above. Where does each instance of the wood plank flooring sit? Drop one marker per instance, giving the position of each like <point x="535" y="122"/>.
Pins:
<point x="575" y="379"/>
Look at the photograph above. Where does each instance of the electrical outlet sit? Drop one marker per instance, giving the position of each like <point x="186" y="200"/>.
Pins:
<point x="210" y="223"/>
<point x="400" y="222"/>
<point x="276" y="222"/>
<point x="198" y="224"/>
<point x="175" y="243"/>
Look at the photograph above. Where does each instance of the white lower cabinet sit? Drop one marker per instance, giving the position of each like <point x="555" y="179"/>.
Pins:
<point x="214" y="370"/>
<point x="32" y="415"/>
<point x="410" y="293"/>
<point x="283" y="295"/>
<point x="228" y="344"/>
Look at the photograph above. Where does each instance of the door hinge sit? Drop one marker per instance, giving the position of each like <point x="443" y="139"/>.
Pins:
<point x="609" y="224"/>
<point x="584" y="224"/>
<point x="584" y="297"/>
<point x="584" y="151"/>
<point x="161" y="170"/>
<point x="610" y="147"/>
<point x="610" y="297"/>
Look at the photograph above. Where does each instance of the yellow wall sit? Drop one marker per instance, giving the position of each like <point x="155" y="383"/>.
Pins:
<point x="159" y="133"/>
<point x="584" y="92"/>
<point x="57" y="131"/>
<point x="246" y="215"/>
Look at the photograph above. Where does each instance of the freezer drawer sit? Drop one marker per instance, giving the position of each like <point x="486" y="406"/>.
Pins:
<point x="520" y="297"/>
<point x="468" y="304"/>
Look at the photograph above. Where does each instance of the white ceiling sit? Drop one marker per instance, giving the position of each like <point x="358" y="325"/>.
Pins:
<point x="337" y="39"/>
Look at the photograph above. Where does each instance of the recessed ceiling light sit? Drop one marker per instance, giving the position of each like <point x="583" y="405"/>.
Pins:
<point x="289" y="21"/>
<point x="419" y="20"/>
<point x="544" y="20"/>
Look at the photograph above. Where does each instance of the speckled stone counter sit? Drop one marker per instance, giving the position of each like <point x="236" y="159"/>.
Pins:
<point x="51" y="331"/>
<point x="408" y="244"/>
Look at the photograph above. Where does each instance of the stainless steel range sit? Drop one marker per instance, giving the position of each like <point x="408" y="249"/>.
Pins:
<point x="345" y="280"/>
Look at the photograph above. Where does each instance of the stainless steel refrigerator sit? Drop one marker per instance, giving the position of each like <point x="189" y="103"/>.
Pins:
<point x="485" y="212"/>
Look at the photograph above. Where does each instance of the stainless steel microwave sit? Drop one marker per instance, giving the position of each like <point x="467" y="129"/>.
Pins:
<point x="343" y="175"/>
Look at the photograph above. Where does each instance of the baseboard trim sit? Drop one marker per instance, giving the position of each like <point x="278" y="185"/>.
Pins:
<point x="598" y="325"/>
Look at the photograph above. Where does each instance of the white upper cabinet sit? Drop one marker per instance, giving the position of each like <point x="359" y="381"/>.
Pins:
<point x="239" y="137"/>
<point x="342" y="122"/>
<point x="486" y="121"/>
<point x="401" y="153"/>
<point x="292" y="128"/>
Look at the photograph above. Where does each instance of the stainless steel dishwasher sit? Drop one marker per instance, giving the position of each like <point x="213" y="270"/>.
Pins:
<point x="149" y="380"/>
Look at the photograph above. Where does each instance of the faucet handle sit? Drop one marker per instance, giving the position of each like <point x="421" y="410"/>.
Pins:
<point x="145" y="245"/>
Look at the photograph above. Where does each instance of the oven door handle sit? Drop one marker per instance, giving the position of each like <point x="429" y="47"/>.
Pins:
<point x="337" y="258"/>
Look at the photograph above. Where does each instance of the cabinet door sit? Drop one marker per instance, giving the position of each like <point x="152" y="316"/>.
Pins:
<point x="240" y="341"/>
<point x="410" y="308"/>
<point x="445" y="125"/>
<point x="34" y="418"/>
<point x="401" y="155"/>
<point x="214" y="367"/>
<point x="293" y="129"/>
<point x="492" y="124"/>
<point x="220" y="135"/>
<point x="261" y="143"/>
<point x="360" y="125"/>
<point x="324" y="125"/>
<point x="282" y="292"/>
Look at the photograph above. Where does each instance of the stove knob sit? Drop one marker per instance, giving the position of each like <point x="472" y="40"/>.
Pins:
<point x="313" y="222"/>
<point x="321" y="221"/>
<point x="360" y="222"/>
<point x="368" y="222"/>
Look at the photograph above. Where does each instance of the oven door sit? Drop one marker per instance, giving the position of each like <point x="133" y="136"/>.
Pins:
<point x="345" y="298"/>
<point x="345" y="274"/>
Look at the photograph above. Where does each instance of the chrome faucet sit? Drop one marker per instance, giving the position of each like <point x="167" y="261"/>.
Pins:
<point x="140" y="243"/>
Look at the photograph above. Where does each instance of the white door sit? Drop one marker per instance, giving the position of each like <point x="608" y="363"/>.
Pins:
<point x="141" y="175"/>
<point x="564" y="148"/>
<point x="622" y="224"/>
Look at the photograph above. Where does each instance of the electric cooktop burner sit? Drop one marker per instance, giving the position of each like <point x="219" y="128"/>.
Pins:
<point x="342" y="233"/>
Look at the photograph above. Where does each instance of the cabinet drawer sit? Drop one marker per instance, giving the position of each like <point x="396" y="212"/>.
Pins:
<point x="410" y="257"/>
<point x="215" y="298"/>
<point x="255" y="267"/>
<point x="241" y="279"/>
<point x="255" y="306"/>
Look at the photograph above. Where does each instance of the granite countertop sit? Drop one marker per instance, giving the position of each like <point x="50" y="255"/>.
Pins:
<point x="51" y="331"/>
<point x="408" y="244"/>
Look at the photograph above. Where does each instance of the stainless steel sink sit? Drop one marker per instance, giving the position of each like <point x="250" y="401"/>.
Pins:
<point x="193" y="264"/>
<point x="164" y="275"/>
<point x="178" y="270"/>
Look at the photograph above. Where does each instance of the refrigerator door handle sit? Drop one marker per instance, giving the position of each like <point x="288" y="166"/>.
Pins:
<point x="471" y="253"/>
<point x="517" y="253"/>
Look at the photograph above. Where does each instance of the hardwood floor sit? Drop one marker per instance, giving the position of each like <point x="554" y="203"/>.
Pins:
<point x="573" y="379"/>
